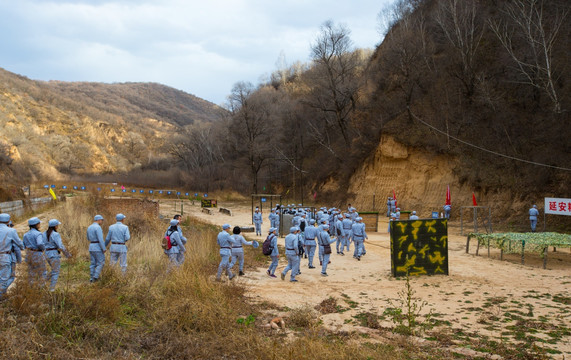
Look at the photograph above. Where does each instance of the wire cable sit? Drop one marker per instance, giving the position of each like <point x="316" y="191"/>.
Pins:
<point x="486" y="150"/>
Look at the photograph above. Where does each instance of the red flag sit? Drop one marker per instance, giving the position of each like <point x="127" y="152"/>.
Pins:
<point x="395" y="197"/>
<point x="314" y="195"/>
<point x="474" y="200"/>
<point x="448" y="197"/>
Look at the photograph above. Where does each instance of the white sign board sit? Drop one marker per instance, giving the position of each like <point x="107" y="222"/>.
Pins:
<point x="558" y="206"/>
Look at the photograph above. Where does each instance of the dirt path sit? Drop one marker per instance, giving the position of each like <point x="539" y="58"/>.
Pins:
<point x="481" y="297"/>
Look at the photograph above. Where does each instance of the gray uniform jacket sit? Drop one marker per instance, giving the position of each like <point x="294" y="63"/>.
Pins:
<point x="176" y="242"/>
<point x="258" y="218"/>
<point x="274" y="245"/>
<point x="95" y="237"/>
<point x="238" y="242"/>
<point x="310" y="234"/>
<point x="118" y="235"/>
<point x="358" y="231"/>
<point x="533" y="213"/>
<point x="225" y="241"/>
<point x="34" y="240"/>
<point x="323" y="238"/>
<point x="291" y="244"/>
<point x="53" y="244"/>
<point x="8" y="238"/>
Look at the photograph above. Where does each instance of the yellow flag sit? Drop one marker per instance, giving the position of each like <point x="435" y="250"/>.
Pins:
<point x="53" y="194"/>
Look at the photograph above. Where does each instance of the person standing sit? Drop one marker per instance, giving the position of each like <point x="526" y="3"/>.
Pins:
<point x="447" y="209"/>
<point x="8" y="239"/>
<point x="258" y="220"/>
<point x="274" y="255"/>
<point x="118" y="235"/>
<point x="225" y="241"/>
<point x="54" y="246"/>
<point x="96" y="248"/>
<point x="180" y="255"/>
<point x="292" y="254"/>
<point x="177" y="245"/>
<point x="359" y="236"/>
<point x="389" y="206"/>
<point x="238" y="250"/>
<point x="325" y="242"/>
<point x="34" y="243"/>
<point x="16" y="259"/>
<point x="533" y="214"/>
<point x="393" y="205"/>
<point x="397" y="214"/>
<point x="310" y="234"/>
<point x="413" y="216"/>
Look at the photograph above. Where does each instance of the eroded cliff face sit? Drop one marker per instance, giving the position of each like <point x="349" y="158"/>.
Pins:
<point x="419" y="179"/>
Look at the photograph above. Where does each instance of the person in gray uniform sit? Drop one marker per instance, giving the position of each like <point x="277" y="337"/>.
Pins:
<point x="177" y="245"/>
<point x="310" y="234"/>
<point x="8" y="239"/>
<point x="34" y="244"/>
<point x="180" y="255"/>
<point x="413" y="216"/>
<point x="389" y="206"/>
<point x="447" y="209"/>
<point x="16" y="259"/>
<point x="359" y="236"/>
<point x="275" y="253"/>
<point x="346" y="224"/>
<point x="118" y="236"/>
<point x="96" y="248"/>
<point x="397" y="214"/>
<point x="292" y="254"/>
<point x="238" y="250"/>
<point x="533" y="214"/>
<point x="257" y="219"/>
<point x="393" y="205"/>
<point x="54" y="246"/>
<point x="225" y="241"/>
<point x="325" y="242"/>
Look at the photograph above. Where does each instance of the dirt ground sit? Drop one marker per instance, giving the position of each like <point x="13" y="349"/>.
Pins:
<point x="481" y="296"/>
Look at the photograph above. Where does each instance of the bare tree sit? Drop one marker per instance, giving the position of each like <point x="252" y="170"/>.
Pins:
<point x="529" y="25"/>
<point x="335" y="82"/>
<point x="462" y="24"/>
<point x="252" y="121"/>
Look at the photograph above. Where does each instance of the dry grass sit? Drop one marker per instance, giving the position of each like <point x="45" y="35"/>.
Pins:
<point x="149" y="313"/>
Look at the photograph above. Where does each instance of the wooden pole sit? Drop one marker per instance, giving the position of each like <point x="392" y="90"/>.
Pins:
<point x="545" y="257"/>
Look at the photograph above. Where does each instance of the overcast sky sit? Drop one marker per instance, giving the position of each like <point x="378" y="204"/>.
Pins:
<point x="201" y="47"/>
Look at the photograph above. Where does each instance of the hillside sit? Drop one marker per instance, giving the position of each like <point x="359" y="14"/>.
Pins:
<point x="56" y="129"/>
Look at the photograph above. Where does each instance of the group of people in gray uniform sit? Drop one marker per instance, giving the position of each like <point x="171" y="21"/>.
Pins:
<point x="42" y="249"/>
<point x="307" y="233"/>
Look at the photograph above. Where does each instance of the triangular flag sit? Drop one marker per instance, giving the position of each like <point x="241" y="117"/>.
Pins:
<point x="474" y="200"/>
<point x="314" y="195"/>
<point x="53" y="193"/>
<point x="395" y="197"/>
<point x="448" y="197"/>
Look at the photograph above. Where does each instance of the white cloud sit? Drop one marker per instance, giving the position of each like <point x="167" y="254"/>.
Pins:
<point x="202" y="47"/>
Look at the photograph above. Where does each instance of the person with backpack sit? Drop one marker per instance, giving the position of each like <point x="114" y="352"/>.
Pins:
<point x="225" y="241"/>
<point x="270" y="248"/>
<point x="118" y="236"/>
<point x="180" y="255"/>
<point x="54" y="246"/>
<point x="96" y="248"/>
<point x="238" y="250"/>
<point x="310" y="234"/>
<point x="292" y="254"/>
<point x="359" y="236"/>
<point x="176" y="244"/>
<point x="34" y="243"/>
<point x="325" y="242"/>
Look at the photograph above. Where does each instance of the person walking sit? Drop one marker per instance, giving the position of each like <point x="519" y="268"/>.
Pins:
<point x="225" y="241"/>
<point x="118" y="235"/>
<point x="310" y="234"/>
<point x="274" y="254"/>
<point x="258" y="220"/>
<point x="34" y="243"/>
<point x="8" y="240"/>
<point x="325" y="242"/>
<point x="292" y="254"/>
<point x="177" y="245"/>
<point x="180" y="255"/>
<point x="347" y="223"/>
<point x="54" y="246"/>
<point x="533" y="214"/>
<point x="97" y="248"/>
<point x="238" y="250"/>
<point x="16" y="259"/>
<point x="359" y="236"/>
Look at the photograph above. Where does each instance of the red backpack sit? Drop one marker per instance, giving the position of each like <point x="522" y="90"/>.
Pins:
<point x="166" y="243"/>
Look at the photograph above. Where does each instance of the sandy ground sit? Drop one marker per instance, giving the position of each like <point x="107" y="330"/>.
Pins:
<point x="476" y="290"/>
